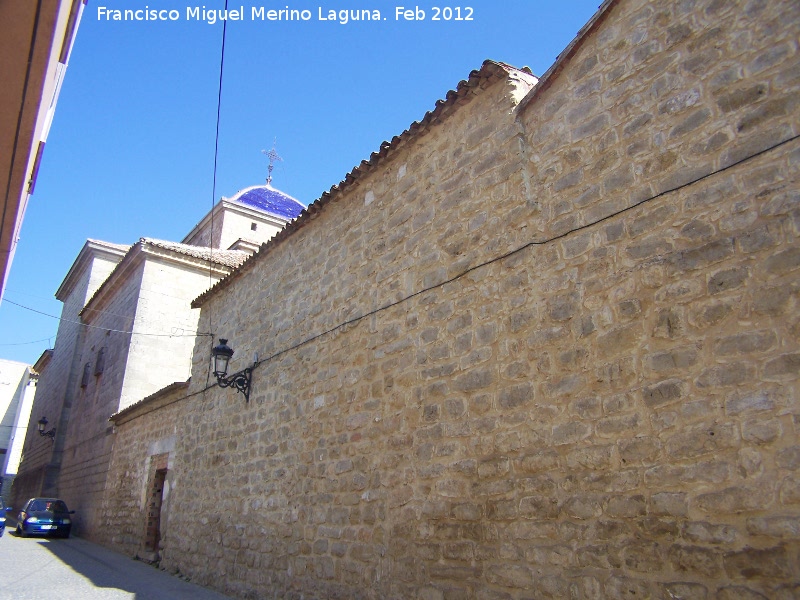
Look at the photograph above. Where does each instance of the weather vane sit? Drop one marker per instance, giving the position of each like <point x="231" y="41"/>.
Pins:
<point x="272" y="155"/>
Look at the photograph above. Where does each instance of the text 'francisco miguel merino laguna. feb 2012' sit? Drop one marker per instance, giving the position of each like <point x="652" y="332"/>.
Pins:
<point x="262" y="13"/>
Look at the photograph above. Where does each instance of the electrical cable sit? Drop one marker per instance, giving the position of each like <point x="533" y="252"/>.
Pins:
<point x="216" y="139"/>
<point x="501" y="257"/>
<point x="213" y="197"/>
<point x="214" y="183"/>
<point x="170" y="335"/>
<point x="106" y="313"/>
<point x="524" y="247"/>
<point x="47" y="339"/>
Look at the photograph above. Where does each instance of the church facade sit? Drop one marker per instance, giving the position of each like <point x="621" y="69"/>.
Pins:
<point x="542" y="344"/>
<point x="127" y="330"/>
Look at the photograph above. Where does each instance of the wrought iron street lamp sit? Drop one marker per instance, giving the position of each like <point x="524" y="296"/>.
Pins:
<point x="41" y="425"/>
<point x="240" y="380"/>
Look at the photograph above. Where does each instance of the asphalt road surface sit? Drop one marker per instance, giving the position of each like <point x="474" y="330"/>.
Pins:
<point x="37" y="568"/>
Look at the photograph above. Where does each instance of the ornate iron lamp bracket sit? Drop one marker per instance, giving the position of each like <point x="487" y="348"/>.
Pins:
<point x="239" y="381"/>
<point x="42" y="425"/>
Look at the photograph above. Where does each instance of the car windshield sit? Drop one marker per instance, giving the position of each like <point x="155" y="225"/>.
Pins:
<point x="48" y="505"/>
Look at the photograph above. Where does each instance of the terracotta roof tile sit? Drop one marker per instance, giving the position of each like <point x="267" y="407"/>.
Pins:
<point x="226" y="258"/>
<point x="489" y="72"/>
<point x="137" y="407"/>
<point x="122" y="247"/>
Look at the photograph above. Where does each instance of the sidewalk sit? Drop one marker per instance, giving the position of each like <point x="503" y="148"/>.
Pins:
<point x="46" y="569"/>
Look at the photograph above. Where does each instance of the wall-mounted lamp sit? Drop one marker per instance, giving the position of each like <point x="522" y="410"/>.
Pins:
<point x="221" y="355"/>
<point x="41" y="425"/>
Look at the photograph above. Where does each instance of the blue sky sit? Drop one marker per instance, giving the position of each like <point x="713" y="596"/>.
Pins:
<point x="131" y="150"/>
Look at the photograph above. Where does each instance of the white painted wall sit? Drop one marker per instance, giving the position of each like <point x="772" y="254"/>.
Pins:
<point x="17" y="390"/>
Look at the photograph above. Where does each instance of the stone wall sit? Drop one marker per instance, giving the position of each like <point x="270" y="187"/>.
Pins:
<point x="152" y="299"/>
<point x="536" y="350"/>
<point x="141" y="435"/>
<point x="164" y="315"/>
<point x="87" y="451"/>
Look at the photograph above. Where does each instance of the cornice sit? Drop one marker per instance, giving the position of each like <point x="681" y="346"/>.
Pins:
<point x="91" y="249"/>
<point x="139" y="253"/>
<point x="160" y="399"/>
<point x="234" y="207"/>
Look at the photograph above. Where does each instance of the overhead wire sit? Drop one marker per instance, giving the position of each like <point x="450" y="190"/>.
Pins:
<point x="211" y="248"/>
<point x="47" y="339"/>
<point x="421" y="291"/>
<point x="529" y="244"/>
<point x="508" y="254"/>
<point x="214" y="179"/>
<point x="194" y="334"/>
<point x="97" y="312"/>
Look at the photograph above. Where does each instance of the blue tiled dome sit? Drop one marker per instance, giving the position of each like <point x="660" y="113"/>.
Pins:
<point x="266" y="198"/>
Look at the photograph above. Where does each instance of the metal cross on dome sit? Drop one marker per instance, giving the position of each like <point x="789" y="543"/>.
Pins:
<point x="272" y="155"/>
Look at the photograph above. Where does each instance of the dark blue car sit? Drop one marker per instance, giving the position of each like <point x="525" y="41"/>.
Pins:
<point x="45" y="516"/>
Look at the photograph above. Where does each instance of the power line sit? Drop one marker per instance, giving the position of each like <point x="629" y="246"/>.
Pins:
<point x="524" y="247"/>
<point x="356" y="320"/>
<point x="170" y="335"/>
<point x="47" y="339"/>
<point x="216" y="155"/>
<point x="95" y="311"/>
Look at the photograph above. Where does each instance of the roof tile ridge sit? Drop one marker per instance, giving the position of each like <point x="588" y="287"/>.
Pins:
<point x="181" y="245"/>
<point x="108" y="244"/>
<point x="487" y="70"/>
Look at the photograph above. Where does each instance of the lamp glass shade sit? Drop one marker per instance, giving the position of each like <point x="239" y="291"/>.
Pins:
<point x="41" y="424"/>
<point x="221" y="355"/>
<point x="221" y="365"/>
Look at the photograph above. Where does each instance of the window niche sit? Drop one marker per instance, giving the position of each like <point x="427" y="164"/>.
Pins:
<point x="100" y="364"/>
<point x="87" y="371"/>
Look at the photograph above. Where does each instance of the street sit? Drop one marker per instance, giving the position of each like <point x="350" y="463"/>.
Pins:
<point x="45" y="569"/>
